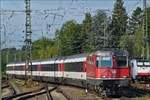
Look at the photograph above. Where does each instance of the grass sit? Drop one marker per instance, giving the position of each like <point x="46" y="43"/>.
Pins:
<point x="79" y="93"/>
<point x="25" y="88"/>
<point x="146" y="97"/>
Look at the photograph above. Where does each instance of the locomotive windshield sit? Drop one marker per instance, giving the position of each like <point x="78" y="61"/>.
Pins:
<point x="143" y="64"/>
<point x="121" y="61"/>
<point x="104" y="61"/>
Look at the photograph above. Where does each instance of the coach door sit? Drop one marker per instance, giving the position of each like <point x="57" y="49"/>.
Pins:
<point x="39" y="71"/>
<point x="60" y="71"/>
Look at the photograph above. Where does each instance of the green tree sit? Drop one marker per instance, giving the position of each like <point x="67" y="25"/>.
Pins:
<point x="69" y="38"/>
<point x="42" y="48"/>
<point x="8" y="55"/>
<point x="99" y="30"/>
<point x="127" y="43"/>
<point x="138" y="42"/>
<point x="86" y="33"/>
<point x="119" y="22"/>
<point x="135" y="20"/>
<point x="131" y="41"/>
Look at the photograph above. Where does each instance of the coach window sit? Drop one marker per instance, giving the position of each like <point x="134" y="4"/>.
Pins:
<point x="104" y="61"/>
<point x="17" y="67"/>
<point x="55" y="67"/>
<point x="9" y="68"/>
<point x="34" y="67"/>
<point x="74" y="67"/>
<point x="50" y="67"/>
<point x="46" y="67"/>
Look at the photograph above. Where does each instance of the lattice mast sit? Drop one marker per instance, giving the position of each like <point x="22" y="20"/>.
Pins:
<point x="28" y="42"/>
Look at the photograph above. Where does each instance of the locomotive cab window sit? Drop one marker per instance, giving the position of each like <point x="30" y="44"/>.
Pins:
<point x="121" y="61"/>
<point x="104" y="61"/>
<point x="147" y="64"/>
<point x="143" y="64"/>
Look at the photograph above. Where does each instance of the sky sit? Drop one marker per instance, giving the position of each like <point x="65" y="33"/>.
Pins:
<point x="46" y="23"/>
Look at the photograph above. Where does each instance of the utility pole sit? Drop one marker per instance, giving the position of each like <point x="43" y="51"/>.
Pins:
<point x="7" y="55"/>
<point x="20" y="55"/>
<point x="28" y="41"/>
<point x="0" y="59"/>
<point x="105" y="35"/>
<point x="104" y="45"/>
<point x="143" y="48"/>
<point x="146" y="31"/>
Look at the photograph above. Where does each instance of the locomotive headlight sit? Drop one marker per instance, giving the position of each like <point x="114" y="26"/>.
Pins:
<point x="103" y="76"/>
<point x="124" y="76"/>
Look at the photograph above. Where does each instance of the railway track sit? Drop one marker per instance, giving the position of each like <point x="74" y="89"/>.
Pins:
<point x="128" y="93"/>
<point x="31" y="94"/>
<point x="138" y="91"/>
<point x="47" y="89"/>
<point x="142" y="88"/>
<point x="133" y="92"/>
<point x="9" y="87"/>
<point x="6" y="85"/>
<point x="141" y="85"/>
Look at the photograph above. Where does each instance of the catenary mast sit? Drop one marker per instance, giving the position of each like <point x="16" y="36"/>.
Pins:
<point x="28" y="42"/>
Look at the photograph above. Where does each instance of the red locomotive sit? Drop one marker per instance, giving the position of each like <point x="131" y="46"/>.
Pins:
<point x="108" y="70"/>
<point x="102" y="70"/>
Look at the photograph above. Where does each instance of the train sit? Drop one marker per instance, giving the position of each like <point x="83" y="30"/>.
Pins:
<point x="140" y="70"/>
<point x="106" y="71"/>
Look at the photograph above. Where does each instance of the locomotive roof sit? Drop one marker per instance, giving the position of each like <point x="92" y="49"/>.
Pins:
<point x="141" y="60"/>
<point x="113" y="52"/>
<point x="120" y="52"/>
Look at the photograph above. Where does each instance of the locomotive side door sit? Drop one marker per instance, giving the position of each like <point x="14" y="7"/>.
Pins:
<point x="133" y="68"/>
